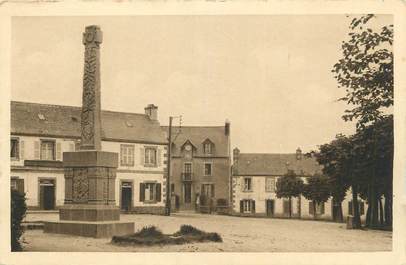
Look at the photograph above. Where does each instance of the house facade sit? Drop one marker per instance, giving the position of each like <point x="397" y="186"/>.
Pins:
<point x="40" y="133"/>
<point x="254" y="187"/>
<point x="200" y="167"/>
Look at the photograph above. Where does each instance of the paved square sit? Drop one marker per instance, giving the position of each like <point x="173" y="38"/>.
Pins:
<point x="239" y="235"/>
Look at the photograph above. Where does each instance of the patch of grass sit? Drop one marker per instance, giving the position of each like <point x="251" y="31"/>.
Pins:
<point x="151" y="235"/>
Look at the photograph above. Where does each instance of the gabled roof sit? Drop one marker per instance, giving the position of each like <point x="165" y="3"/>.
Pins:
<point x="64" y="121"/>
<point x="197" y="135"/>
<point x="275" y="164"/>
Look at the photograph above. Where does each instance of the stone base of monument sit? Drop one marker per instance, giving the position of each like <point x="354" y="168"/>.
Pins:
<point x="90" y="208"/>
<point x="101" y="229"/>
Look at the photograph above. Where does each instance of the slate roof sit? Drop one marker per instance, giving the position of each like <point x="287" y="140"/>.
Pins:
<point x="274" y="164"/>
<point x="64" y="121"/>
<point x="197" y="135"/>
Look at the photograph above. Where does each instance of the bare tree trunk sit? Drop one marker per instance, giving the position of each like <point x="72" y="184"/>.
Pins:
<point x="290" y="207"/>
<point x="355" y="210"/>
<point x="314" y="210"/>
<point x="381" y="221"/>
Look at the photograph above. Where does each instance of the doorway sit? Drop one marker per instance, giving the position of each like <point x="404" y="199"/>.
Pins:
<point x="47" y="194"/>
<point x="270" y="207"/>
<point x="126" y="196"/>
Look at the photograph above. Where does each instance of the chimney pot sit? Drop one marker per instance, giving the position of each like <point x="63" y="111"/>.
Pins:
<point x="152" y="111"/>
<point x="227" y="128"/>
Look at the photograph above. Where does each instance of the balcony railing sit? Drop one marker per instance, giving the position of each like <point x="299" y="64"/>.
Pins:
<point x="187" y="176"/>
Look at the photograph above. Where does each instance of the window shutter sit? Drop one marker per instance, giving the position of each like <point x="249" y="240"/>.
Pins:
<point x="142" y="192"/>
<point x="122" y="155"/>
<point x="36" y="150"/>
<point x="350" y="208"/>
<point x="213" y="194"/>
<point x="311" y="208"/>
<point x="158" y="192"/>
<point x="242" y="184"/>
<point x="20" y="185"/>
<point x="21" y="150"/>
<point x="253" y="206"/>
<point x="158" y="159"/>
<point x="58" y="151"/>
<point x="241" y="206"/>
<point x="142" y="156"/>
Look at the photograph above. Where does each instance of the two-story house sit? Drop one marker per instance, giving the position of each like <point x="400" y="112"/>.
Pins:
<point x="254" y="178"/>
<point x="200" y="167"/>
<point x="40" y="133"/>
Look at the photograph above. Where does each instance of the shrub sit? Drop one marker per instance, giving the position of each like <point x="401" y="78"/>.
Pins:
<point x="18" y="210"/>
<point x="149" y="231"/>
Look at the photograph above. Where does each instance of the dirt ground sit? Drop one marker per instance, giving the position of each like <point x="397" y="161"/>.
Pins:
<point x="239" y="235"/>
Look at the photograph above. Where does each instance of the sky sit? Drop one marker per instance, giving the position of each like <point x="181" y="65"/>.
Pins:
<point x="270" y="76"/>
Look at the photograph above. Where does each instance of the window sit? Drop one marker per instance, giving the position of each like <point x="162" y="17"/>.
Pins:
<point x="17" y="184"/>
<point x="247" y="184"/>
<point x="247" y="206"/>
<point x="47" y="150"/>
<point x="14" y="154"/>
<point x="150" y="192"/>
<point x="270" y="185"/>
<point x="13" y="184"/>
<point x="150" y="156"/>
<point x="187" y="167"/>
<point x="207" y="169"/>
<point x="127" y="155"/>
<point x="207" y="148"/>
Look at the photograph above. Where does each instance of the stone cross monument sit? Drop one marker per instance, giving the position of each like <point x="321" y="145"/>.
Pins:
<point x="90" y="173"/>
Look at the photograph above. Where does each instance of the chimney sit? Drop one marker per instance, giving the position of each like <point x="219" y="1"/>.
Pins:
<point x="236" y="153"/>
<point x="298" y="153"/>
<point x="227" y="128"/>
<point x="152" y="111"/>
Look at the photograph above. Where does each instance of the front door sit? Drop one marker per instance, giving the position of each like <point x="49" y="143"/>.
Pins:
<point x="270" y="207"/>
<point x="126" y="196"/>
<point x="187" y="193"/>
<point x="47" y="194"/>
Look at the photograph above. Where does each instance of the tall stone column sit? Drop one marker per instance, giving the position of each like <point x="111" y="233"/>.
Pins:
<point x="90" y="173"/>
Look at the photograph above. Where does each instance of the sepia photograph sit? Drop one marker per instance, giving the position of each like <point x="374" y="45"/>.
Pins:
<point x="202" y="133"/>
<point x="194" y="134"/>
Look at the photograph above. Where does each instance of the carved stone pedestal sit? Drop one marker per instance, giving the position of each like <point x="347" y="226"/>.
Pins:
<point x="90" y="208"/>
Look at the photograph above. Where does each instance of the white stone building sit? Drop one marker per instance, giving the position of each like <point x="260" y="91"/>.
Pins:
<point x="41" y="133"/>
<point x="254" y="187"/>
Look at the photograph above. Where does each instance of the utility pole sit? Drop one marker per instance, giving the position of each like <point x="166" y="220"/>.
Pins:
<point x="168" y="177"/>
<point x="168" y="181"/>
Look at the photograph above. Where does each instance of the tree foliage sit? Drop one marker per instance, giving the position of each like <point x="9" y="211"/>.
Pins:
<point x="288" y="186"/>
<point x="366" y="71"/>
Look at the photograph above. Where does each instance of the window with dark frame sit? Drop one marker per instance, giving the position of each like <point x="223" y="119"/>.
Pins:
<point x="207" y="169"/>
<point x="150" y="192"/>
<point x="14" y="148"/>
<point x="47" y="150"/>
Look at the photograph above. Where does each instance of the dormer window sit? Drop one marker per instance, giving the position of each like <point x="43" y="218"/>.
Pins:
<point x="208" y="147"/>
<point x="41" y="116"/>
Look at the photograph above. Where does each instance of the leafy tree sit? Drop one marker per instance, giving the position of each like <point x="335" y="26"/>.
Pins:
<point x="18" y="210"/>
<point x="317" y="190"/>
<point x="288" y="186"/>
<point x="339" y="164"/>
<point x="366" y="71"/>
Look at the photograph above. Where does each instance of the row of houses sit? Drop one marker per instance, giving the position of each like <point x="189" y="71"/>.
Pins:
<point x="205" y="174"/>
